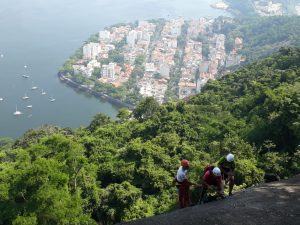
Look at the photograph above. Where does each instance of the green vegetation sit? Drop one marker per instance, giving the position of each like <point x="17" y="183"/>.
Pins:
<point x="241" y="8"/>
<point x="122" y="170"/>
<point x="261" y="35"/>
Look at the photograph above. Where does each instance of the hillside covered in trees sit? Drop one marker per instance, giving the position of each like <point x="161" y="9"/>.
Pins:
<point x="261" y="36"/>
<point x="248" y="8"/>
<point x="122" y="170"/>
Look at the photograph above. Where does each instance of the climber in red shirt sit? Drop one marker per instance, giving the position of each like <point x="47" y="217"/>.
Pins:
<point x="212" y="180"/>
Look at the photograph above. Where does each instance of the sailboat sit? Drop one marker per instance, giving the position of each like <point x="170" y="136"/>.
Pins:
<point x="34" y="87"/>
<point x="25" y="97"/>
<point x="17" y="113"/>
<point x="43" y="92"/>
<point x="52" y="99"/>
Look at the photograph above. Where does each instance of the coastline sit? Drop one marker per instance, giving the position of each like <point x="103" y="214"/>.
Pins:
<point x="105" y="96"/>
<point x="92" y="92"/>
<point x="234" y="13"/>
<point x="222" y="5"/>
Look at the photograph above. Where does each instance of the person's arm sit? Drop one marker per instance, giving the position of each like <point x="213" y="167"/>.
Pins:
<point x="205" y="183"/>
<point x="220" y="188"/>
<point x="174" y="180"/>
<point x="205" y="177"/>
<point x="189" y="183"/>
<point x="233" y="167"/>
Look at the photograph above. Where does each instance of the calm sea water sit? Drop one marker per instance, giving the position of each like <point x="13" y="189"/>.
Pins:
<point x="42" y="34"/>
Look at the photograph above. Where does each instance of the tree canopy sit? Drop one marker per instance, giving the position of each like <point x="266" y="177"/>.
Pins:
<point x="121" y="170"/>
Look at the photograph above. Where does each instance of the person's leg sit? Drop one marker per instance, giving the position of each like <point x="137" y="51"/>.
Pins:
<point x="231" y="184"/>
<point x="181" y="200"/>
<point x="220" y="190"/>
<point x="184" y="195"/>
<point x="202" y="193"/>
<point x="187" y="199"/>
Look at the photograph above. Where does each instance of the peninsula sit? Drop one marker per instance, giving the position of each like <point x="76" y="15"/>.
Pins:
<point x="165" y="59"/>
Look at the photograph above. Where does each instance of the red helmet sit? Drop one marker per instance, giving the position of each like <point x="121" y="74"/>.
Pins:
<point x="185" y="163"/>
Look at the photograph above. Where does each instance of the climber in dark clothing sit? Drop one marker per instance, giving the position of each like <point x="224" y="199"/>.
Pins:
<point x="227" y="167"/>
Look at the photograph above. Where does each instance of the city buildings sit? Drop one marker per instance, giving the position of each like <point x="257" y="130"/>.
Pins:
<point x="132" y="38"/>
<point x="91" y="50"/>
<point x="104" y="36"/>
<point x="268" y="9"/>
<point x="108" y="71"/>
<point x="198" y="59"/>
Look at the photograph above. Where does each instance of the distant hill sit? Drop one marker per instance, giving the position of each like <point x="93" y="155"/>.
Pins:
<point x="273" y="204"/>
<point x="241" y="8"/>
<point x="246" y="8"/>
<point x="261" y="35"/>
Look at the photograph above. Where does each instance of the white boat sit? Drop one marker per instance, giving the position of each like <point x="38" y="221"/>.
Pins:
<point x="1" y="99"/>
<point x="25" y="66"/>
<point x="29" y="106"/>
<point x="25" y="76"/>
<point x="2" y="56"/>
<point x="52" y="99"/>
<point x="34" y="88"/>
<point x="43" y="92"/>
<point x="25" y="97"/>
<point x="17" y="113"/>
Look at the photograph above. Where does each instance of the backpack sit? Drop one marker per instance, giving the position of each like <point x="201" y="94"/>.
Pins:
<point x="208" y="168"/>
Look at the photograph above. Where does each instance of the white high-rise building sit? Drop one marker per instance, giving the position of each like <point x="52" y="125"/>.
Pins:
<point x="164" y="70"/>
<point x="111" y="70"/>
<point x="175" y="30"/>
<point x="104" y="35"/>
<point x="104" y="71"/>
<point x="108" y="71"/>
<point x="146" y="36"/>
<point x="139" y="34"/>
<point x="131" y="38"/>
<point x="149" y="67"/>
<point x="91" y="50"/>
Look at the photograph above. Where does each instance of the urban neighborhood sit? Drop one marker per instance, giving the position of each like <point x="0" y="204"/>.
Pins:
<point x="189" y="49"/>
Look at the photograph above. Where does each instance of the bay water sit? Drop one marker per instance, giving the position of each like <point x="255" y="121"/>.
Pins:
<point x="38" y="36"/>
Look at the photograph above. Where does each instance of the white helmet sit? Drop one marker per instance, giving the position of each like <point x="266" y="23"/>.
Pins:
<point x="230" y="157"/>
<point x="216" y="171"/>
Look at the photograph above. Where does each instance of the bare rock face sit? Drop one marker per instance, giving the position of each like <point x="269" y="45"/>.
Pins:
<point x="275" y="203"/>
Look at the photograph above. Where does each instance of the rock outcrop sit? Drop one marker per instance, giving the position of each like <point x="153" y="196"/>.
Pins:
<point x="276" y="203"/>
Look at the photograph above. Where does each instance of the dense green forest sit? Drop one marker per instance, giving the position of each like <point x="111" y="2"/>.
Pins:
<point x="261" y="35"/>
<point x="241" y="8"/>
<point x="122" y="170"/>
<point x="246" y="8"/>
